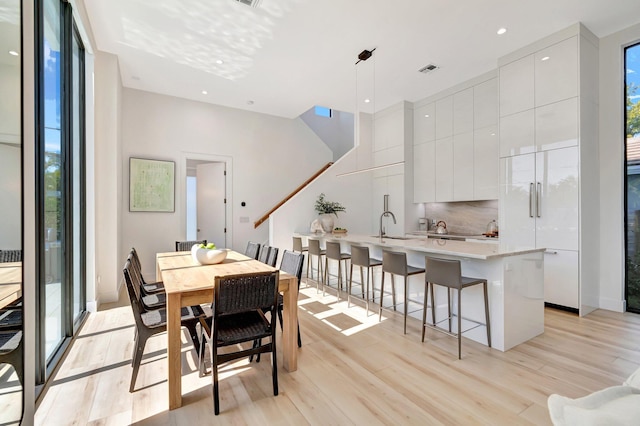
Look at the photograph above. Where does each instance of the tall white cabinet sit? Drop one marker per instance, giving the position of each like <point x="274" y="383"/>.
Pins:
<point x="548" y="158"/>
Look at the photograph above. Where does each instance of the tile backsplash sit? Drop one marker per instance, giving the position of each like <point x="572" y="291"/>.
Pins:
<point x="464" y="217"/>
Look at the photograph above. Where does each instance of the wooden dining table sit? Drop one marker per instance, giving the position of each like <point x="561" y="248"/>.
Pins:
<point x="187" y="283"/>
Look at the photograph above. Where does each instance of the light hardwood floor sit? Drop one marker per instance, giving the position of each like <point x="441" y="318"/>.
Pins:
<point x="351" y="370"/>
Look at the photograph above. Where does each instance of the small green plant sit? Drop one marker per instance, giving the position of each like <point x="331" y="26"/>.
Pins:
<point x="323" y="206"/>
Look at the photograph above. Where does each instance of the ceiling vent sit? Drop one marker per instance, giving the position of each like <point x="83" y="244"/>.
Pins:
<point x="428" y="68"/>
<point x="252" y="3"/>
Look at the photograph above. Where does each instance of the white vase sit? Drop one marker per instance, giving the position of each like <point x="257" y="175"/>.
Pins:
<point x="326" y="220"/>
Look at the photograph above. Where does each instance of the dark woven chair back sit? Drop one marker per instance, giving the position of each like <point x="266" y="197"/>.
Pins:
<point x="186" y="245"/>
<point x="242" y="293"/>
<point x="292" y="264"/>
<point x="10" y="256"/>
<point x="132" y="282"/>
<point x="253" y="249"/>
<point x="273" y="256"/>
<point x="264" y="254"/>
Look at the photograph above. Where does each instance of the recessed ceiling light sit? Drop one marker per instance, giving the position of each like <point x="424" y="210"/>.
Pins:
<point x="502" y="31"/>
<point x="219" y="62"/>
<point x="426" y="115"/>
<point x="493" y="134"/>
<point x="546" y="58"/>
<point x="250" y="102"/>
<point x="366" y="101"/>
<point x="204" y="92"/>
<point x="13" y="53"/>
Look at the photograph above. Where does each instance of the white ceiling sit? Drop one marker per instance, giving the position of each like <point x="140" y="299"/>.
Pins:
<point x="288" y="55"/>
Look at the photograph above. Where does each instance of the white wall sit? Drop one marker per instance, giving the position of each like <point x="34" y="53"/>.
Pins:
<point x="612" y="166"/>
<point x="108" y="175"/>
<point x="271" y="157"/>
<point x="9" y="114"/>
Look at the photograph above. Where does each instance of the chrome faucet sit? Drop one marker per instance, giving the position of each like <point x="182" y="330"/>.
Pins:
<point x="385" y="213"/>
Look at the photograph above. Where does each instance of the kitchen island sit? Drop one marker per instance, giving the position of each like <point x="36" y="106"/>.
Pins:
<point x="515" y="277"/>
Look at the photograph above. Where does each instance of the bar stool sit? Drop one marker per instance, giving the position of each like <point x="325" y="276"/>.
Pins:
<point x="447" y="273"/>
<point x="360" y="257"/>
<point x="333" y="253"/>
<point x="395" y="263"/>
<point x="315" y="250"/>
<point x="298" y="247"/>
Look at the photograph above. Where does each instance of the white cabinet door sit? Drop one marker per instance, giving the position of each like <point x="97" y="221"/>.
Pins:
<point x="444" y="117"/>
<point x="485" y="104"/>
<point x="516" y="206"/>
<point x="424" y="173"/>
<point x="557" y="125"/>
<point x="516" y="86"/>
<point x="444" y="169"/>
<point x="556" y="72"/>
<point x="463" y="111"/>
<point x="486" y="164"/>
<point x="424" y="124"/>
<point x="517" y="134"/>
<point x="561" y="284"/>
<point x="463" y="167"/>
<point x="557" y="199"/>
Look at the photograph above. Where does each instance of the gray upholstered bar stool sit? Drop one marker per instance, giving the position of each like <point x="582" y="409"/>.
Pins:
<point x="360" y="257"/>
<point x="395" y="263"/>
<point x="447" y="273"/>
<point x="334" y="253"/>
<point x="315" y="250"/>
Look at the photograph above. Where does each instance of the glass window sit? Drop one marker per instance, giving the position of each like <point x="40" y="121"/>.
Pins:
<point x="632" y="133"/>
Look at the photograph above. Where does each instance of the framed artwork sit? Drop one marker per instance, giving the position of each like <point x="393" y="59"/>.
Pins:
<point x="151" y="185"/>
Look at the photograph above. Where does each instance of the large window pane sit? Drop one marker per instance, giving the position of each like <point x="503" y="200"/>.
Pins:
<point x="54" y="193"/>
<point x="632" y="132"/>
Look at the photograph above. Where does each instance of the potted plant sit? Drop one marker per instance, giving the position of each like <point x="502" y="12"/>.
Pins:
<point x="325" y="209"/>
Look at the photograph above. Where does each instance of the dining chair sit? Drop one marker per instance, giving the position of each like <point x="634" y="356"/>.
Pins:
<point x="150" y="323"/>
<point x="10" y="256"/>
<point x="263" y="256"/>
<point x="149" y="287"/>
<point x="11" y="345"/>
<point x="252" y="250"/>
<point x="272" y="259"/>
<point x="186" y="245"/>
<point x="238" y="318"/>
<point x="291" y="263"/>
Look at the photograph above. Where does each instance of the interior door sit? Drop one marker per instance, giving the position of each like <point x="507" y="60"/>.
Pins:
<point x="211" y="200"/>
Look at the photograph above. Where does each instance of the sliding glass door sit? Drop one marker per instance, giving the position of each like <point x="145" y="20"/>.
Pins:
<point x="61" y="182"/>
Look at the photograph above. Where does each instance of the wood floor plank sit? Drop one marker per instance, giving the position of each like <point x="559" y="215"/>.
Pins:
<point x="352" y="370"/>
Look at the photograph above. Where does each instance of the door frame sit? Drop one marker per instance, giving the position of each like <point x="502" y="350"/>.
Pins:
<point x="182" y="195"/>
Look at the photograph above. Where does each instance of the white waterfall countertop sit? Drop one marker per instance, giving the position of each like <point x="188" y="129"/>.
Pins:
<point x="463" y="249"/>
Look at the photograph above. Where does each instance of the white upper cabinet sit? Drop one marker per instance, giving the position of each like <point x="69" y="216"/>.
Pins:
<point x="486" y="163"/>
<point x="444" y="117"/>
<point x="485" y="104"/>
<point x="517" y="86"/>
<point x="557" y="125"/>
<point x="463" y="112"/>
<point x="424" y="173"/>
<point x="424" y="124"/>
<point x="463" y="167"/>
<point x="517" y="133"/>
<point x="556" y="72"/>
<point x="444" y="169"/>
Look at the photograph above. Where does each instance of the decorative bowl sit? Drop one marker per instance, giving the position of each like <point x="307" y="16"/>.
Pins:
<point x="206" y="256"/>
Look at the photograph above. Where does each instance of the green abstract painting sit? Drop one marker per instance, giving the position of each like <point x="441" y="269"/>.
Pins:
<point x="151" y="185"/>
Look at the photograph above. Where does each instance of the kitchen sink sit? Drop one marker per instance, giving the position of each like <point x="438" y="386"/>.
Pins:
<point x="392" y="237"/>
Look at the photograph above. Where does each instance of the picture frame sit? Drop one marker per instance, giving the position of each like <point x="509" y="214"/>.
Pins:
<point x="151" y="185"/>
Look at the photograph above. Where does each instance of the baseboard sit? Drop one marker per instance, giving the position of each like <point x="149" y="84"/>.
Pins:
<point x="561" y="308"/>
<point x="612" y="305"/>
<point x="92" y="306"/>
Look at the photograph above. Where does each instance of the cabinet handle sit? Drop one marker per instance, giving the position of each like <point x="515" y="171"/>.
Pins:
<point x="538" y="196"/>
<point x="530" y="199"/>
<point x="550" y="252"/>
